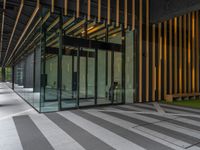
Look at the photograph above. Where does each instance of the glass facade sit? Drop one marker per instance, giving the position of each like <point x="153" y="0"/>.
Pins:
<point x="76" y="63"/>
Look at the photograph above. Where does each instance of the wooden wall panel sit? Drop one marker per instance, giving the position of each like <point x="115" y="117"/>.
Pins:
<point x="185" y="52"/>
<point x="65" y="7"/>
<point x="175" y="57"/>
<point x="89" y="10"/>
<point x="99" y="10"/>
<point x="197" y="51"/>
<point x="108" y="12"/>
<point x="180" y="55"/>
<point x="133" y="15"/>
<point x="140" y="50"/>
<point x="153" y="62"/>
<point x="170" y="57"/>
<point x="117" y="13"/>
<point x="193" y="52"/>
<point x="159" y="59"/>
<point x="125" y="14"/>
<point x="189" y="52"/>
<point x="165" y="58"/>
<point x="77" y="8"/>
<point x="147" y="50"/>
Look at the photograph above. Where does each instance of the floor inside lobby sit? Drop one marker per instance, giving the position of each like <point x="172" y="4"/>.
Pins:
<point x="149" y="126"/>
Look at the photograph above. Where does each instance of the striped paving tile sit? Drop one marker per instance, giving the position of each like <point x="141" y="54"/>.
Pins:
<point x="59" y="139"/>
<point x="30" y="136"/>
<point x="171" y="133"/>
<point x="176" y="121"/>
<point x="144" y="107"/>
<point x="9" y="139"/>
<point x="183" y="110"/>
<point x="134" y="108"/>
<point x="168" y="123"/>
<point x="193" y="110"/>
<point x="158" y="137"/>
<point x="192" y="118"/>
<point x="84" y="138"/>
<point x="123" y="108"/>
<point x="103" y="134"/>
<point x="123" y="132"/>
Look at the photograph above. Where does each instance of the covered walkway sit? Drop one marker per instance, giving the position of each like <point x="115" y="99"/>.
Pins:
<point x="133" y="127"/>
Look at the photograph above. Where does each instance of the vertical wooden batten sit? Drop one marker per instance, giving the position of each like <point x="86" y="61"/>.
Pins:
<point x="180" y="55"/>
<point x="89" y="10"/>
<point x="165" y="58"/>
<point x="125" y="14"/>
<point x="193" y="52"/>
<point x="108" y="12"/>
<point x="65" y="7"/>
<point x="140" y="50"/>
<point x="197" y="51"/>
<point x="99" y="10"/>
<point x="185" y="52"/>
<point x="52" y="6"/>
<point x="175" y="56"/>
<point x="189" y="53"/>
<point x="147" y="50"/>
<point x="153" y="62"/>
<point x="77" y="8"/>
<point x="117" y="13"/>
<point x="159" y="59"/>
<point x="133" y="15"/>
<point x="170" y="57"/>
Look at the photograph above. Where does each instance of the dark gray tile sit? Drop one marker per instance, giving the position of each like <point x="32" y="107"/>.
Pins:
<point x="123" y="108"/>
<point x="143" y="107"/>
<point x="191" y="118"/>
<point x="84" y="138"/>
<point x="30" y="136"/>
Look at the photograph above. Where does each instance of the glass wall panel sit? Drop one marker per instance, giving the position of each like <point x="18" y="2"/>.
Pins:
<point x="25" y="80"/>
<point x="8" y="76"/>
<point x="50" y="78"/>
<point x="67" y="93"/>
<point x="83" y="77"/>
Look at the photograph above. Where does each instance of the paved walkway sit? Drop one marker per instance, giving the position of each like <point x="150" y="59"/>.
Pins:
<point x="125" y="127"/>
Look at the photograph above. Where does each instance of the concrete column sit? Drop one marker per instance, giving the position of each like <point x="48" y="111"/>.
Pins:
<point x="13" y="77"/>
<point x="3" y="71"/>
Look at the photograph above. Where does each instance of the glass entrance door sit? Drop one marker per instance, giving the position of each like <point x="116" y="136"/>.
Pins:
<point x="91" y="75"/>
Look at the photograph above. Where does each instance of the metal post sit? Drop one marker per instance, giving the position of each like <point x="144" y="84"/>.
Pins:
<point x="43" y="65"/>
<point x="78" y="75"/>
<point x="59" y="73"/>
<point x="123" y="64"/>
<point x="13" y="77"/>
<point x="3" y="71"/>
<point x="96" y="75"/>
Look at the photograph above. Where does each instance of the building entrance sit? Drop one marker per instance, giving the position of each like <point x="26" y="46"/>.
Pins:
<point x="91" y="73"/>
